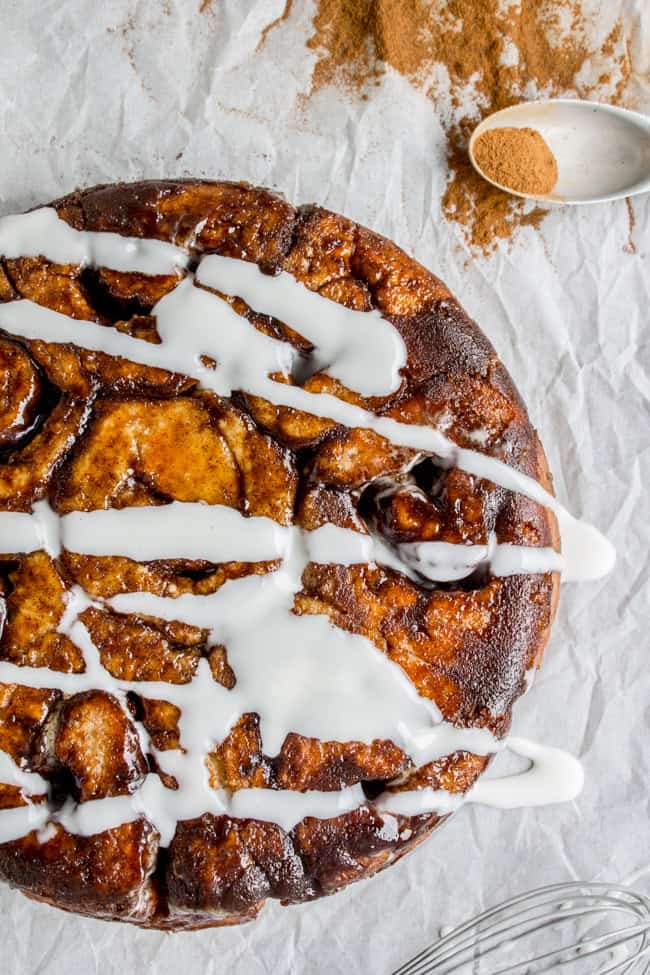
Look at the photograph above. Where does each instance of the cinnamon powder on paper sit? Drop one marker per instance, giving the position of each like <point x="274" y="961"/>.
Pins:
<point x="471" y="57"/>
<point x="630" y="247"/>
<point x="286" y="13"/>
<point x="485" y="214"/>
<point x="517" y="158"/>
<point x="468" y="37"/>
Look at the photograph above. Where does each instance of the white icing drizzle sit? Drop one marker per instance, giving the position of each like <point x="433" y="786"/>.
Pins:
<point x="19" y="531"/>
<point x="341" y="337"/>
<point x="418" y="802"/>
<point x="16" y="823"/>
<point x="511" y="560"/>
<point x="296" y="672"/>
<point x="299" y="673"/>
<point x="216" y="533"/>
<point x="42" y="232"/>
<point x="11" y="774"/>
<point x="179" y="530"/>
<point x="284" y="808"/>
<point x="553" y="776"/>
<point x="246" y="357"/>
<point x="30" y="532"/>
<point x="447" y="562"/>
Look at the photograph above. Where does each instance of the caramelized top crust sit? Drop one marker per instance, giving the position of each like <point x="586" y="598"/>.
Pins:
<point x="87" y="431"/>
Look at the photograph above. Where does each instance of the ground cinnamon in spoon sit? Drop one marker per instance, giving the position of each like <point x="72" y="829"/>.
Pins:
<point x="519" y="159"/>
<point x="472" y="58"/>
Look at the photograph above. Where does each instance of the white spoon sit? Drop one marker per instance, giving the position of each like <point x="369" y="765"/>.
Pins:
<point x="602" y="152"/>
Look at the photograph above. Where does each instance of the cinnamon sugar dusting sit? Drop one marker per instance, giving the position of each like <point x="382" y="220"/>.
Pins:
<point x="471" y="57"/>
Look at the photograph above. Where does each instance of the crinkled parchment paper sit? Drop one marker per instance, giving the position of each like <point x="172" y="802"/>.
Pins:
<point x="94" y="92"/>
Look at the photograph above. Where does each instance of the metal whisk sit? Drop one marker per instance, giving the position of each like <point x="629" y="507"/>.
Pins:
<point x="580" y="929"/>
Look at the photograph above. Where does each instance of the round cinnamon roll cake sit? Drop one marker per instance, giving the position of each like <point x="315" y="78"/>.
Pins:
<point x="277" y="552"/>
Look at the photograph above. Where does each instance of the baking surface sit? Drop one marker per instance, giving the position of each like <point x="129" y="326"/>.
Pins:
<point x="160" y="90"/>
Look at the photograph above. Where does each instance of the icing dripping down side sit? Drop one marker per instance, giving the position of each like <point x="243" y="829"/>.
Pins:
<point x="553" y="776"/>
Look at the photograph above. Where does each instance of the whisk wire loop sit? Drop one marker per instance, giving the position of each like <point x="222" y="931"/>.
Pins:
<point x="529" y="914"/>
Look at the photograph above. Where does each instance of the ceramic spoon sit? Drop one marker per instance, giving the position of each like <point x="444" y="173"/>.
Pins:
<point x="602" y="152"/>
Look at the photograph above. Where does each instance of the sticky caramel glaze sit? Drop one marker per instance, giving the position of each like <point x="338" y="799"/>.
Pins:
<point x="119" y="434"/>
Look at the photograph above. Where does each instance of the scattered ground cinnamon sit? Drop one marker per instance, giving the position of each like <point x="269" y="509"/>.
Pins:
<point x="472" y="57"/>
<point x="485" y="214"/>
<point x="519" y="159"/>
<point x="499" y="46"/>
<point x="630" y="247"/>
<point x="286" y="13"/>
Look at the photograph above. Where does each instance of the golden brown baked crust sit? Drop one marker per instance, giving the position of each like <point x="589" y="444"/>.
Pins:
<point x="99" y="432"/>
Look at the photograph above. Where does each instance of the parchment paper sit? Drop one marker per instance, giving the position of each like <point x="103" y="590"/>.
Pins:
<point x="93" y="92"/>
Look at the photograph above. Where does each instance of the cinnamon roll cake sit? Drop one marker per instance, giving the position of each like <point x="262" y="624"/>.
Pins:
<point x="278" y="552"/>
